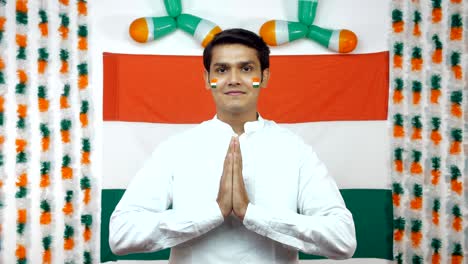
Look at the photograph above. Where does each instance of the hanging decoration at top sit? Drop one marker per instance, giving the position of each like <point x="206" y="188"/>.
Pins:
<point x="274" y="32"/>
<point x="278" y="32"/>
<point x="146" y="29"/>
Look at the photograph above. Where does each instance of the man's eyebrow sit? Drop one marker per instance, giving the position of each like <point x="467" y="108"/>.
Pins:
<point x="241" y="63"/>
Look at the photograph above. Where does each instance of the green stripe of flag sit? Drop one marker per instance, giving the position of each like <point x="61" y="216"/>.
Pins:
<point x="371" y="209"/>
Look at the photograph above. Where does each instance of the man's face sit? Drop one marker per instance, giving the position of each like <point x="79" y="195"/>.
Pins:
<point x="234" y="66"/>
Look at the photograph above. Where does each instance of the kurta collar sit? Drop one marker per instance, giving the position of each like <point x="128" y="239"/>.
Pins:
<point x="249" y="127"/>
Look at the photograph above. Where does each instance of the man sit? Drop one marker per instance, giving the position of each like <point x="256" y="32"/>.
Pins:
<point x="242" y="189"/>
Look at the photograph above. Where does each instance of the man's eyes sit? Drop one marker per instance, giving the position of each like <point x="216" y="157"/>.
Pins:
<point x="244" y="69"/>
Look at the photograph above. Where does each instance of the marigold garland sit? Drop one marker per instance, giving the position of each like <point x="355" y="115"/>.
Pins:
<point x="23" y="131"/>
<point x="3" y="92"/>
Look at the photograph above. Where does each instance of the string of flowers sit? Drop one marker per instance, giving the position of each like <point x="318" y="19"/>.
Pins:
<point x="454" y="114"/>
<point x="70" y="190"/>
<point x="435" y="158"/>
<point x="398" y="104"/>
<point x="3" y="92"/>
<point x="46" y="220"/>
<point x="22" y="194"/>
<point x="414" y="76"/>
<point x="86" y="180"/>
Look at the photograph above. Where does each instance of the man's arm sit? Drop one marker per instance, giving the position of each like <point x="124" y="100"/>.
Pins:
<point x="141" y="221"/>
<point x="323" y="226"/>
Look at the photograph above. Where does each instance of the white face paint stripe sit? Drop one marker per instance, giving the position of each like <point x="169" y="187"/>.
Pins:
<point x="203" y="28"/>
<point x="149" y="23"/>
<point x="334" y="43"/>
<point x="282" y="32"/>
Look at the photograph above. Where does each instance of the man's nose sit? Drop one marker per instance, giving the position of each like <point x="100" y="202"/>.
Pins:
<point x="234" y="78"/>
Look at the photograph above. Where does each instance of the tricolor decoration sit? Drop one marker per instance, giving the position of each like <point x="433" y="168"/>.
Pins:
<point x="256" y="82"/>
<point x="3" y="91"/>
<point x="47" y="203"/>
<point x="23" y="130"/>
<point x="213" y="83"/>
<point x="147" y="29"/>
<point x="278" y="32"/>
<point x="68" y="172"/>
<point x="88" y="185"/>
<point x="432" y="67"/>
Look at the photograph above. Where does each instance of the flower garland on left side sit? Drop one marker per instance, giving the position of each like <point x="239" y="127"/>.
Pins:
<point x="397" y="106"/>
<point x="87" y="181"/>
<point x="3" y="91"/>
<point x="46" y="220"/>
<point x="22" y="195"/>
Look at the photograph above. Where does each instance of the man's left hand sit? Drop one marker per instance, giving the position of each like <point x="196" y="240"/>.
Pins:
<point x="240" y="198"/>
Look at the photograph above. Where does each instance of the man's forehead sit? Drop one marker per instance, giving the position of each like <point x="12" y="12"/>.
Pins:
<point x="234" y="54"/>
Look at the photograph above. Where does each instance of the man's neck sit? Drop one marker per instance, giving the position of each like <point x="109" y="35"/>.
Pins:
<point x="237" y="121"/>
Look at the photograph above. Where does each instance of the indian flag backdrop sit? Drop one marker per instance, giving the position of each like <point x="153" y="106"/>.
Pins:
<point x="337" y="103"/>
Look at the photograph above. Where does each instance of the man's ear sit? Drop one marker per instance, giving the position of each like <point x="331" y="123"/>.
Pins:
<point x="206" y="76"/>
<point x="265" y="78"/>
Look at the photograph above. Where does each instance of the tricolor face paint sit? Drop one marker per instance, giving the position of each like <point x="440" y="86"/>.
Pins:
<point x="213" y="83"/>
<point x="256" y="82"/>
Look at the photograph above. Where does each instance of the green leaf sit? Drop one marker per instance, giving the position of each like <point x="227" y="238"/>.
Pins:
<point x="66" y="160"/>
<point x="43" y="16"/>
<point x="83" y="31"/>
<point x="85" y="183"/>
<point x="435" y="81"/>
<point x="69" y="231"/>
<point x="21" y="18"/>
<point x="398" y="119"/>
<point x="417" y="190"/>
<point x="45" y="167"/>
<point x="435" y="121"/>
<point x="397" y="188"/>
<point x="46" y="242"/>
<point x="455" y="172"/>
<point x="437" y="42"/>
<point x="65" y="125"/>
<point x="398" y="84"/>
<point x="397" y="15"/>
<point x="435" y="163"/>
<point x="45" y="132"/>
<point x="456" y="97"/>
<point x="456" y="21"/>
<point x="87" y="220"/>
<point x="416" y="54"/>
<point x="416" y="225"/>
<point x="417" y="155"/>
<point x="69" y="196"/>
<point x="456" y="211"/>
<point x="398" y="48"/>
<point x="416" y="122"/>
<point x="455" y="58"/>
<point x="45" y="206"/>
<point x="399" y="223"/>
<point x="436" y="205"/>
<point x="417" y="87"/>
<point x="457" y="135"/>
<point x="398" y="154"/>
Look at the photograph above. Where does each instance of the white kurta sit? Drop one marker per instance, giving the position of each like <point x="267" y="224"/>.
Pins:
<point x="294" y="203"/>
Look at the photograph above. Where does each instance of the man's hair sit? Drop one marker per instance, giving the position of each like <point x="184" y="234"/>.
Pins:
<point x="238" y="36"/>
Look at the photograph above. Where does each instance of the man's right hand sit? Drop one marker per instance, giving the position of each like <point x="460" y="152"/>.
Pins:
<point x="225" y="186"/>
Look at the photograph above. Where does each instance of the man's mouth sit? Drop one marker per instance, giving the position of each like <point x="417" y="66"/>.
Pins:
<point x="234" y="93"/>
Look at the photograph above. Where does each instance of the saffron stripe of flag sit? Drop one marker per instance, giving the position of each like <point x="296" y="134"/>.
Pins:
<point x="334" y="92"/>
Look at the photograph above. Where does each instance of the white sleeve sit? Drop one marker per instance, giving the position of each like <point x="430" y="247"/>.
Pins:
<point x="141" y="222"/>
<point x="323" y="227"/>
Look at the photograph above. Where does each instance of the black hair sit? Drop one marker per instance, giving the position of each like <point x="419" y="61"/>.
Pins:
<point x="238" y="36"/>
